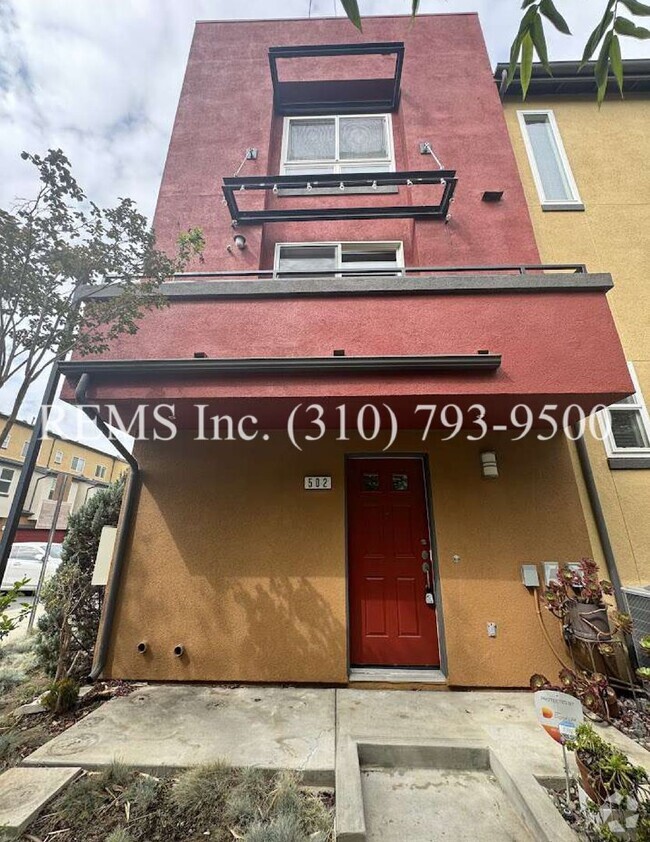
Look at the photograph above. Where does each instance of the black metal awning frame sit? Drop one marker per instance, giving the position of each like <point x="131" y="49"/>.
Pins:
<point x="367" y="96"/>
<point x="321" y="212"/>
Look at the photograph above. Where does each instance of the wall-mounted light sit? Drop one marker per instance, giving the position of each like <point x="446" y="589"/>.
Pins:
<point x="240" y="241"/>
<point x="489" y="465"/>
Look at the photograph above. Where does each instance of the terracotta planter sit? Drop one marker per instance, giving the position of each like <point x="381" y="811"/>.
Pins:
<point x="594" y="789"/>
<point x="588" y="622"/>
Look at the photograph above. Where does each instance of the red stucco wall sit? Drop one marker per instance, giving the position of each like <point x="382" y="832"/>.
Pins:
<point x="448" y="98"/>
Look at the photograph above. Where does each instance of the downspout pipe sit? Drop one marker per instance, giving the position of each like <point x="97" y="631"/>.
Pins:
<point x="599" y="517"/>
<point x="127" y="512"/>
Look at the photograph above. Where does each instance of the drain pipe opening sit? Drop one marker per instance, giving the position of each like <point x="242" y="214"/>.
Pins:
<point x="178" y="650"/>
<point x="142" y="647"/>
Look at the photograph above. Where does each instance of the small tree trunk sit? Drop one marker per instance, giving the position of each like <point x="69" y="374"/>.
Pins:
<point x="13" y="415"/>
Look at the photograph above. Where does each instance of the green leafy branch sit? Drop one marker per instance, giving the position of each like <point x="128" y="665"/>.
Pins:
<point x="531" y="38"/>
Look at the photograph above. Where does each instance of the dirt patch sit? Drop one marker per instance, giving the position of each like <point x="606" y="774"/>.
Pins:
<point x="20" y="737"/>
<point x="209" y="802"/>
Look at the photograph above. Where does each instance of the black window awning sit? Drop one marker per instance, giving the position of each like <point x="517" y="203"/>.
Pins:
<point x="321" y="207"/>
<point x="351" y="92"/>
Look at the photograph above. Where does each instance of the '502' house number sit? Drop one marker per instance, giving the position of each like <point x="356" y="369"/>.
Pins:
<point x="318" y="483"/>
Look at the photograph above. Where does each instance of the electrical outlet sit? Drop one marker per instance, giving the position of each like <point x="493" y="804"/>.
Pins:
<point x="492" y="629"/>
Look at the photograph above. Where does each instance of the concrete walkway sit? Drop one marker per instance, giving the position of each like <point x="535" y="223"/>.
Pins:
<point x="285" y="727"/>
<point x="174" y="726"/>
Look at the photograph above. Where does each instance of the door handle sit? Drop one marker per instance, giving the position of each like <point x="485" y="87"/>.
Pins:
<point x="426" y="571"/>
<point x="428" y="591"/>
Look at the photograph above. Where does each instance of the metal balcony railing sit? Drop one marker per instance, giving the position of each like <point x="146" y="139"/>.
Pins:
<point x="405" y="272"/>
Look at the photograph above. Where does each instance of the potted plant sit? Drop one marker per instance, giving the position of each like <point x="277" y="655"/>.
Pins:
<point x="644" y="674"/>
<point x="577" y="598"/>
<point x="604" y="769"/>
<point x="644" y="643"/>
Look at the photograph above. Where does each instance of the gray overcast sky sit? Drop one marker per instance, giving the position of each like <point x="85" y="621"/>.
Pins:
<point x="101" y="78"/>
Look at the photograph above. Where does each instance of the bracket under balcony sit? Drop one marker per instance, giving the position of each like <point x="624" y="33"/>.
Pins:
<point x="326" y="207"/>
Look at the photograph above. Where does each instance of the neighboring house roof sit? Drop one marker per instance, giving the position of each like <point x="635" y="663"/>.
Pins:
<point x="568" y="79"/>
<point x="59" y="437"/>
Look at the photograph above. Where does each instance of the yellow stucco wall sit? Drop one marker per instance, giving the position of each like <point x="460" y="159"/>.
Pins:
<point x="608" y="150"/>
<point x="232" y="559"/>
<point x="21" y="433"/>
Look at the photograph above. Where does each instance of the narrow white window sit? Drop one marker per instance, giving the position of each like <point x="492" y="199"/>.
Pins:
<point x="338" y="259"/>
<point x="554" y="180"/>
<point x="358" y="143"/>
<point x="58" y="457"/>
<point x="25" y="448"/>
<point x="100" y="471"/>
<point x="5" y="443"/>
<point x="77" y="463"/>
<point x="627" y="427"/>
<point x="6" y="477"/>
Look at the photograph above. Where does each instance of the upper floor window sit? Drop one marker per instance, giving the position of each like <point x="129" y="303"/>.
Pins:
<point x="336" y="144"/>
<point x="5" y="443"/>
<point x="554" y="180"/>
<point x="6" y="477"/>
<point x="340" y="259"/>
<point x="100" y="471"/>
<point x="627" y="425"/>
<point x="58" y="457"/>
<point x="77" y="463"/>
<point x="25" y="448"/>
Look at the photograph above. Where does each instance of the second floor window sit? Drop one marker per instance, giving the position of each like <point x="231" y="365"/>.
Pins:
<point x="77" y="463"/>
<point x="100" y="471"/>
<point x="337" y="144"/>
<point x="340" y="259"/>
<point x="23" y="452"/>
<point x="5" y="443"/>
<point x="58" y="457"/>
<point x="6" y="477"/>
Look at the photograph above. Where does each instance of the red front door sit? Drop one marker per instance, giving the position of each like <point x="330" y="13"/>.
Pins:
<point x="391" y="622"/>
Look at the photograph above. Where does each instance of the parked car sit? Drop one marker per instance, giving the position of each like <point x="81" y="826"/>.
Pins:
<point x="26" y="562"/>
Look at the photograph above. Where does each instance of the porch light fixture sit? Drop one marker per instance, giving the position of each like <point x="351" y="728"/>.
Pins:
<point x="240" y="241"/>
<point x="489" y="465"/>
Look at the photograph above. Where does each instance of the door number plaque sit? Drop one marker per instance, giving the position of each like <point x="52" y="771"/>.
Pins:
<point x="318" y="483"/>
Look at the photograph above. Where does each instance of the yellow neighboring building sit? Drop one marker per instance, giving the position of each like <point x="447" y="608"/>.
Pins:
<point x="586" y="176"/>
<point x="88" y="467"/>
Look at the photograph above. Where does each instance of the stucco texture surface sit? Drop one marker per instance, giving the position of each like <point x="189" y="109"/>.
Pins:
<point x="234" y="561"/>
<point x="607" y="149"/>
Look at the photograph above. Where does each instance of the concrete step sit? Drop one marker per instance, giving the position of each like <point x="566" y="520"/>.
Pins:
<point x="25" y="791"/>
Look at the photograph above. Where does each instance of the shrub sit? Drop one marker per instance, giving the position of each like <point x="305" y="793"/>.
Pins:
<point x="61" y="696"/>
<point x="68" y="628"/>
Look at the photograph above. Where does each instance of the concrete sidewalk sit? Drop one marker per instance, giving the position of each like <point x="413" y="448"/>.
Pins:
<point x="175" y="726"/>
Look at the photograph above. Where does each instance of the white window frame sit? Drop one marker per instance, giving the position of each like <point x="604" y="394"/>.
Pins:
<point x="24" y="449"/>
<point x="79" y="459"/>
<point x="575" y="202"/>
<point x="637" y="404"/>
<point x="339" y="272"/>
<point x="5" y="443"/>
<point x="100" y="471"/>
<point x="58" y="457"/>
<point x="4" y="479"/>
<point x="358" y="163"/>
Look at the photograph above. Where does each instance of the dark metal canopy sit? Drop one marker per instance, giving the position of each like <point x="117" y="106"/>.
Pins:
<point x="328" y="210"/>
<point x="337" y="96"/>
<point x="238" y="366"/>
